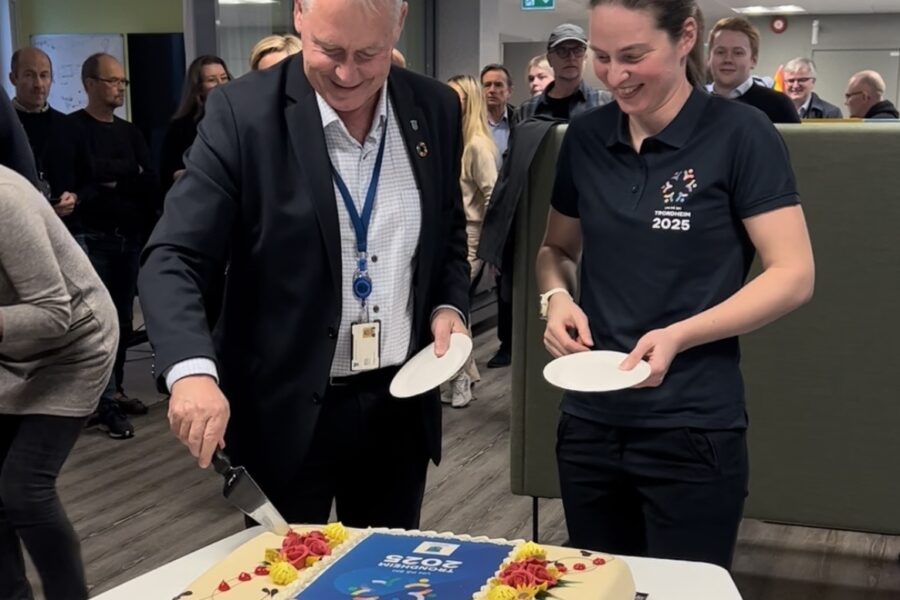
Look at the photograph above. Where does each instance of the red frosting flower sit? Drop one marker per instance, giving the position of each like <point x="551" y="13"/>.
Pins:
<point x="296" y="555"/>
<point x="318" y="547"/>
<point x="541" y="574"/>
<point x="519" y="578"/>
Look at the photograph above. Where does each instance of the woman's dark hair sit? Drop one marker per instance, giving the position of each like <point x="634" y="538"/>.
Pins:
<point x="670" y="17"/>
<point x="192" y="90"/>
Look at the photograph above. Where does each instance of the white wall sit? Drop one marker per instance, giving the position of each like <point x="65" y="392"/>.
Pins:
<point x="836" y="32"/>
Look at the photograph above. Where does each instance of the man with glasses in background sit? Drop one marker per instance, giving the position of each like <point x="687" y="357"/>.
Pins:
<point x="799" y="83"/>
<point x="865" y="97"/>
<point x="567" y="95"/>
<point x="117" y="215"/>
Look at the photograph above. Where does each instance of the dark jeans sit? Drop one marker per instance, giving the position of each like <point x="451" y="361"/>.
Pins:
<point x="116" y="258"/>
<point x="375" y="473"/>
<point x="664" y="493"/>
<point x="33" y="449"/>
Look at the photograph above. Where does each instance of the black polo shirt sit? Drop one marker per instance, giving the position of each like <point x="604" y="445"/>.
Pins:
<point x="664" y="240"/>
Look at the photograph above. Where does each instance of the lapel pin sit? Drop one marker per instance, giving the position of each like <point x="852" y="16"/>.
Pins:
<point x="414" y="124"/>
<point x="422" y="149"/>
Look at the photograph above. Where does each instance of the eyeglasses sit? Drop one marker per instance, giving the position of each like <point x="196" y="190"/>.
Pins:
<point x="567" y="51"/>
<point x="799" y="80"/>
<point x="113" y="81"/>
<point x="849" y="95"/>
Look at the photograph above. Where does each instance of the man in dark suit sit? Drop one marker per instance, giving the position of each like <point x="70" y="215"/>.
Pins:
<point x="799" y="83"/>
<point x="285" y="162"/>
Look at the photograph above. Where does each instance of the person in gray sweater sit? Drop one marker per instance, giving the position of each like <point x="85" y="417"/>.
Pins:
<point x="58" y="337"/>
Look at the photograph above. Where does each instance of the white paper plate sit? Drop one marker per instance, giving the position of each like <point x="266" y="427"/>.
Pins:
<point x="425" y="371"/>
<point x="596" y="371"/>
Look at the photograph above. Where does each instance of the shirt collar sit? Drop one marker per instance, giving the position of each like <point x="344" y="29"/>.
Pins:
<point x="736" y="92"/>
<point x="582" y="91"/>
<point x="504" y="118"/>
<point x="21" y="108"/>
<point x="676" y="133"/>
<point x="804" y="109"/>
<point x="329" y="115"/>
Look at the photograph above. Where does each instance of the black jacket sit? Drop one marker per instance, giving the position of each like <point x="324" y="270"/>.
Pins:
<point x="15" y="152"/>
<point x="883" y="110"/>
<point x="777" y="106"/>
<point x="258" y="186"/>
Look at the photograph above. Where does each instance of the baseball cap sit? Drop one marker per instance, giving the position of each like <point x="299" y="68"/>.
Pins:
<point x="565" y="32"/>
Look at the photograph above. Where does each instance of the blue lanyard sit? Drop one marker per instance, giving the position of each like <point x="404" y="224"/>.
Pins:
<point x="362" y="284"/>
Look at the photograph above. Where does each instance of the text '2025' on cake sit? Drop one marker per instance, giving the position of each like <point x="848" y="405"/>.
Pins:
<point x="333" y="562"/>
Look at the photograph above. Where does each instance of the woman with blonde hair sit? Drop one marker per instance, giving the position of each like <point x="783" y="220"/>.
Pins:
<point x="477" y="178"/>
<point x="273" y="49"/>
<point x="539" y="74"/>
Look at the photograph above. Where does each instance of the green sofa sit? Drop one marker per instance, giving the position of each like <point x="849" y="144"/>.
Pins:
<point x="824" y="407"/>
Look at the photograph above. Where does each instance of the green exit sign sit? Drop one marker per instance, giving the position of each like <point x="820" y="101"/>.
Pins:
<point x="538" y="4"/>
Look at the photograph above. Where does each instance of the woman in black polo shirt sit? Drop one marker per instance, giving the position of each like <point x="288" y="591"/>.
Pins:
<point x="664" y="196"/>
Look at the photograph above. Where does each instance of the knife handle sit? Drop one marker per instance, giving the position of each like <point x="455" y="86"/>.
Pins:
<point x="221" y="462"/>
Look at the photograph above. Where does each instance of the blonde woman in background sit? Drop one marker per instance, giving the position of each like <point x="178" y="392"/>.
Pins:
<point x="273" y="49"/>
<point x="477" y="178"/>
<point x="539" y="74"/>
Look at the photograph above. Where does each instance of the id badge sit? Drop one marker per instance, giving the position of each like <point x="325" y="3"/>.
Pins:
<point x="365" y="340"/>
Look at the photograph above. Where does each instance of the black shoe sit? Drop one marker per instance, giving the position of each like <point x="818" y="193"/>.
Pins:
<point x="130" y="406"/>
<point x="115" y="424"/>
<point x="502" y="359"/>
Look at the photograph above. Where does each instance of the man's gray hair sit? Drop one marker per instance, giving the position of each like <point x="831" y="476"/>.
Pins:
<point x="795" y="64"/>
<point x="369" y="5"/>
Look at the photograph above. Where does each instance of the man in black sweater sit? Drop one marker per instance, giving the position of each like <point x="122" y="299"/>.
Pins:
<point x="62" y="168"/>
<point x="117" y="218"/>
<point x="733" y="53"/>
<point x="865" y="97"/>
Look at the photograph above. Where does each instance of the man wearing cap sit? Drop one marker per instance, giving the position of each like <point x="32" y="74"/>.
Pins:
<point x="567" y="95"/>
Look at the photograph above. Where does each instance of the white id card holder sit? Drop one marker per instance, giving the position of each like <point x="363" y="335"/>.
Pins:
<point x="365" y="340"/>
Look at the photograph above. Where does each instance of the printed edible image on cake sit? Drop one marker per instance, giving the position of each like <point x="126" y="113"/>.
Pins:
<point x="388" y="567"/>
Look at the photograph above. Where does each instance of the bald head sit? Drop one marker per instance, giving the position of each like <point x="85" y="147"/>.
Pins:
<point x="865" y="90"/>
<point x="398" y="59"/>
<point x="31" y="72"/>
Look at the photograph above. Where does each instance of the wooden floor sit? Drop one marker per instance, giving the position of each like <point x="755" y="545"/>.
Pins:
<point x="140" y="503"/>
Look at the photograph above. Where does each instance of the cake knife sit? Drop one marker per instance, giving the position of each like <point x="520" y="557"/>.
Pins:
<point x="241" y="491"/>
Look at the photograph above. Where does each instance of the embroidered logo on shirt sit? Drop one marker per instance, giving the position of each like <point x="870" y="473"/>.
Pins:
<point x="679" y="187"/>
<point x="675" y="192"/>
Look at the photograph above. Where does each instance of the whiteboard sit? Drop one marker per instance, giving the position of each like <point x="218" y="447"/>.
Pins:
<point x="68" y="52"/>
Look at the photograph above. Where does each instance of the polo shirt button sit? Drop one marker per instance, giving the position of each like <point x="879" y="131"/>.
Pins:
<point x="375" y="308"/>
<point x="316" y="398"/>
<point x="635" y="188"/>
<point x="374" y="258"/>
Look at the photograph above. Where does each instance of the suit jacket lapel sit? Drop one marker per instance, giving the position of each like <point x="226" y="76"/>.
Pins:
<point x="422" y="156"/>
<point x="304" y="124"/>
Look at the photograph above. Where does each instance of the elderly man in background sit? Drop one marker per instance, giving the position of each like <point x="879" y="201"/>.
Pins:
<point x="865" y="97"/>
<point x="799" y="83"/>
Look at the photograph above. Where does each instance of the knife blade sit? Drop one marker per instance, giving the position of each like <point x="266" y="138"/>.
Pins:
<point x="241" y="491"/>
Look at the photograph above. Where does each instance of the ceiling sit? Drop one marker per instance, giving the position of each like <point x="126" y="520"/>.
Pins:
<point x="575" y="9"/>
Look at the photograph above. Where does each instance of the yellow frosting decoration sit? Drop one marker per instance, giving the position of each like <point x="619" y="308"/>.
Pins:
<point x="273" y="555"/>
<point x="530" y="550"/>
<point x="335" y="533"/>
<point x="283" y="573"/>
<point x="311" y="560"/>
<point x="503" y="592"/>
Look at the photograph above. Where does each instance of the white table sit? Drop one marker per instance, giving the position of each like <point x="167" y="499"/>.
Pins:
<point x="661" y="579"/>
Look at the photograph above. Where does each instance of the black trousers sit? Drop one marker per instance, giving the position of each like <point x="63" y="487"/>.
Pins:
<point x="368" y="455"/>
<point x="33" y="449"/>
<point x="664" y="493"/>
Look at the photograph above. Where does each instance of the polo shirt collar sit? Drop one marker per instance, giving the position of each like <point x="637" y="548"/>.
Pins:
<point x="21" y="107"/>
<point x="676" y="133"/>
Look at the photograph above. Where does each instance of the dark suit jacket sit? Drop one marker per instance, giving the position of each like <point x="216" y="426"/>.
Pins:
<point x="820" y="109"/>
<point x="258" y="192"/>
